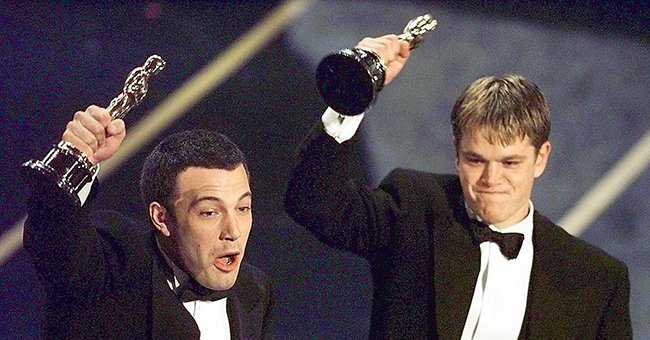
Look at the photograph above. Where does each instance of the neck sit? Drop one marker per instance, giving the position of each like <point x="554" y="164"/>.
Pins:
<point x="170" y="255"/>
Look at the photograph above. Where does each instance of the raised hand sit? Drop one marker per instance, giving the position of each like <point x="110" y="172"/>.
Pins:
<point x="392" y="51"/>
<point x="95" y="133"/>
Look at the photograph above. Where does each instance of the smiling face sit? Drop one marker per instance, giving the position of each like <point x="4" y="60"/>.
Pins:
<point x="497" y="180"/>
<point x="206" y="233"/>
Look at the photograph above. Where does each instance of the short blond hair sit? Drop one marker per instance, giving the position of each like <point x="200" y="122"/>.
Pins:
<point x="510" y="107"/>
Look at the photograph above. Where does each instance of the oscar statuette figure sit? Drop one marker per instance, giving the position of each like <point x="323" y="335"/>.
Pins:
<point x="68" y="167"/>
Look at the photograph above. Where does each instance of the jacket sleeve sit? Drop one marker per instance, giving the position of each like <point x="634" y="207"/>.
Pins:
<point x="323" y="196"/>
<point x="269" y="317"/>
<point x="616" y="323"/>
<point x="70" y="257"/>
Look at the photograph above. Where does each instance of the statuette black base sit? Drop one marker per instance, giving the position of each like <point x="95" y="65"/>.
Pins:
<point x="349" y="80"/>
<point x="65" y="165"/>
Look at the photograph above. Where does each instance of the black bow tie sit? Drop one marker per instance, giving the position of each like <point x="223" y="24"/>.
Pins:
<point x="194" y="291"/>
<point x="509" y="243"/>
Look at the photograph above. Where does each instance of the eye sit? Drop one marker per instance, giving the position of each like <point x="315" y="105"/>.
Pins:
<point x="511" y="164"/>
<point x="208" y="213"/>
<point x="244" y="209"/>
<point x="473" y="160"/>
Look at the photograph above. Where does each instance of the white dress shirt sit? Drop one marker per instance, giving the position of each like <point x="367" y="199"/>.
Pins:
<point x="501" y="291"/>
<point x="210" y="316"/>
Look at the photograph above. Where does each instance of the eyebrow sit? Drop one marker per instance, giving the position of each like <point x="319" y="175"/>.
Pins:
<point x="506" y="158"/>
<point x="218" y="199"/>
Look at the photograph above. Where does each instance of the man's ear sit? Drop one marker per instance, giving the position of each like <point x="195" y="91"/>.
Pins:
<point x="454" y="143"/>
<point x="160" y="218"/>
<point x="542" y="158"/>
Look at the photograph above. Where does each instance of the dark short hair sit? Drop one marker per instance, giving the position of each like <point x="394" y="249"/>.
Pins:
<point x="510" y="106"/>
<point x="179" y="151"/>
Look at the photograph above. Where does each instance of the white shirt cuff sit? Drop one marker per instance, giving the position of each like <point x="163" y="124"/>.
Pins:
<point x="85" y="191"/>
<point x="340" y="127"/>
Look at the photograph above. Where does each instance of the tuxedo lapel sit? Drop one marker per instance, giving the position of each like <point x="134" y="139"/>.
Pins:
<point x="244" y="310"/>
<point x="456" y="267"/>
<point x="238" y="324"/>
<point x="547" y="308"/>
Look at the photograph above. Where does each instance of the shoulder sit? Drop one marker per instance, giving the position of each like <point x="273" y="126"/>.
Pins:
<point x="409" y="179"/>
<point x="121" y="233"/>
<point x="253" y="290"/>
<point x="580" y="259"/>
<point x="439" y="190"/>
<point x="253" y="283"/>
<point x="115" y="223"/>
<point x="402" y="176"/>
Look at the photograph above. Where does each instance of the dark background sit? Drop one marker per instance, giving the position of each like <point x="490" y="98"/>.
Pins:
<point x="57" y="58"/>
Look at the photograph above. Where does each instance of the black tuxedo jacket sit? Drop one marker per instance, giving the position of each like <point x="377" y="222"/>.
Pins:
<point x="105" y="279"/>
<point x="424" y="262"/>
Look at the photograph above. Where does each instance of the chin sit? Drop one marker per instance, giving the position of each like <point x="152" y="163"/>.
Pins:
<point x="488" y="217"/>
<point x="223" y="286"/>
<point x="222" y="282"/>
<point x="488" y="209"/>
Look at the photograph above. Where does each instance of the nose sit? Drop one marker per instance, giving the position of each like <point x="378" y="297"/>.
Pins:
<point x="230" y="228"/>
<point x="491" y="174"/>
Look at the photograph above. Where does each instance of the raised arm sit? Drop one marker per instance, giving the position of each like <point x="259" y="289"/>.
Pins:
<point x="323" y="194"/>
<point x="65" y="246"/>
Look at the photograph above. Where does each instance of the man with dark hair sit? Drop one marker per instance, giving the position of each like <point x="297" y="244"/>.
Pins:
<point x="462" y="256"/>
<point x="185" y="278"/>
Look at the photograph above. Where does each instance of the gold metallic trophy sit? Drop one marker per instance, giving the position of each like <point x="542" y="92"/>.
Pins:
<point x="69" y="167"/>
<point x="349" y="80"/>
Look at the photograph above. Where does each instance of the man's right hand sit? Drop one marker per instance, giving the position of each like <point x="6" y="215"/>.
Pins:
<point x="392" y="51"/>
<point x="95" y="133"/>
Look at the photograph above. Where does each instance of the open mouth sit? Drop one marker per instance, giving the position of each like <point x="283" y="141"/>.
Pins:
<point x="227" y="263"/>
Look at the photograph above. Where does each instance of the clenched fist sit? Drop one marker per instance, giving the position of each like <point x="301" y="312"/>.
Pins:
<point x="95" y="133"/>
<point x="392" y="51"/>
